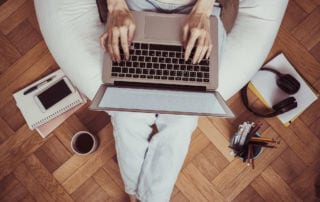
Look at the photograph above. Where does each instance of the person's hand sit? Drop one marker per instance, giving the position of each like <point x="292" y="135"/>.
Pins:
<point x="196" y="32"/>
<point x="120" y="29"/>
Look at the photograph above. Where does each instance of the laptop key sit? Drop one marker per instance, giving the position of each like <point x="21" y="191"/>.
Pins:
<point x="135" y="76"/>
<point x="169" y="66"/>
<point x="131" y="70"/>
<point x="148" y="59"/>
<point x="171" y="78"/>
<point x="143" y="76"/>
<point x="176" y="67"/>
<point x="135" y="64"/>
<point x="192" y="79"/>
<point x="121" y="75"/>
<point x="154" y="59"/>
<point x="138" y="71"/>
<point x="172" y="54"/>
<point x="116" y="69"/>
<point x="206" y="80"/>
<point x="204" y="68"/>
<point x="177" y="78"/>
<point x="164" y="77"/>
<point x="206" y="75"/>
<point x="185" y="79"/>
<point x="156" y="77"/>
<point x="149" y="76"/>
<point x="129" y="75"/>
<point x="179" y="73"/>
<point x="138" y="52"/>
<point x="152" y="53"/>
<point x="144" y="46"/>
<point x="168" y="60"/>
<point x="199" y="80"/>
<point x="141" y="59"/>
<point x="165" y="54"/>
<point x="136" y="45"/>
<point x="149" y="65"/>
<point x="163" y="66"/>
<point x="114" y="74"/>
<point x="156" y="65"/>
<point x="124" y="70"/>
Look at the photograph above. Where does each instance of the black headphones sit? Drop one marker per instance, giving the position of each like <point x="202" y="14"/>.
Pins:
<point x="287" y="83"/>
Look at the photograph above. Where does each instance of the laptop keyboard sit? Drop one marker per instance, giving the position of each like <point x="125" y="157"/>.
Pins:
<point x="160" y="62"/>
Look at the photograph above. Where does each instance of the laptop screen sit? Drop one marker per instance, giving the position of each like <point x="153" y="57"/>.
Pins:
<point x="162" y="101"/>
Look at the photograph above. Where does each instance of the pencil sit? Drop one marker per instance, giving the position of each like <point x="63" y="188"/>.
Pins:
<point x="264" y="139"/>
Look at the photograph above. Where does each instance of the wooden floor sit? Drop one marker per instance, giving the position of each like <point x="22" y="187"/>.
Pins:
<point x="36" y="169"/>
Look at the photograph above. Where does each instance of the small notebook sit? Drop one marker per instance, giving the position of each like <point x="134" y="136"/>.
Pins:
<point x="33" y="114"/>
<point x="263" y="84"/>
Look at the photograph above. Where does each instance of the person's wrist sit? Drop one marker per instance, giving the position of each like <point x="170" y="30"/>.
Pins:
<point x="116" y="5"/>
<point x="203" y="7"/>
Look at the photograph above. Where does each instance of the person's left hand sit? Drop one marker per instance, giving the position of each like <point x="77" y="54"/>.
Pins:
<point x="196" y="32"/>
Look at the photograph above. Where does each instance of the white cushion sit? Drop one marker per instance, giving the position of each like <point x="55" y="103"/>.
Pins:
<point x="71" y="29"/>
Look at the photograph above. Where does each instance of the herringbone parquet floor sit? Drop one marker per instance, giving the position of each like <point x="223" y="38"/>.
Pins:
<point x="36" y="169"/>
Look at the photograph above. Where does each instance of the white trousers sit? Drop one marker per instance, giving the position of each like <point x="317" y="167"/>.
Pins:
<point x="149" y="169"/>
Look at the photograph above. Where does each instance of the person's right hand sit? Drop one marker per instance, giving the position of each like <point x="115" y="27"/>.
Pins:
<point x="120" y="28"/>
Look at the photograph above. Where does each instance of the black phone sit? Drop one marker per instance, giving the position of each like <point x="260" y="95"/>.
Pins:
<point x="54" y="94"/>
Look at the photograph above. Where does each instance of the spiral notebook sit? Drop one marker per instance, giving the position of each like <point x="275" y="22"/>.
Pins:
<point x="34" y="115"/>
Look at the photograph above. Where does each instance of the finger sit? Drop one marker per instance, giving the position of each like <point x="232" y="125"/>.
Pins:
<point x="185" y="33"/>
<point x="193" y="37"/>
<point x="115" y="44"/>
<point x="204" y="50"/>
<point x="200" y="46"/>
<point x="110" y="47"/>
<point x="124" y="41"/>
<point x="131" y="30"/>
<point x="209" y="49"/>
<point x="103" y="41"/>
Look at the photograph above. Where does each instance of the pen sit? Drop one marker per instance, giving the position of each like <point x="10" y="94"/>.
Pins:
<point x="35" y="87"/>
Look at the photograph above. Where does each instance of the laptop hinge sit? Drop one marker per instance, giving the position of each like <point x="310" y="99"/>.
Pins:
<point x="159" y="86"/>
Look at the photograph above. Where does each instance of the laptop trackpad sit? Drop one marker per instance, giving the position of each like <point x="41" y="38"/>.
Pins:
<point x="163" y="28"/>
<point x="162" y="101"/>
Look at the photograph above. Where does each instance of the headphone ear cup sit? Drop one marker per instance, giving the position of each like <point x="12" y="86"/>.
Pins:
<point x="285" y="105"/>
<point x="288" y="84"/>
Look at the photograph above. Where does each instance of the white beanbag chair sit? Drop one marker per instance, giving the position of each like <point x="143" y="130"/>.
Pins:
<point x="72" y="28"/>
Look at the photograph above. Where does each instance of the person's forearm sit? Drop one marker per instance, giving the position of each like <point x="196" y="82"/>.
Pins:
<point x="203" y="6"/>
<point x="116" y="5"/>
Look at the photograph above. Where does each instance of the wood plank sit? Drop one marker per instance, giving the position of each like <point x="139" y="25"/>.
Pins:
<point x="21" y="65"/>
<point x="236" y="176"/>
<point x="30" y="182"/>
<point x="205" y="167"/>
<point x="308" y="5"/>
<point x="85" y="190"/>
<point x="7" y="184"/>
<point x="12" y="115"/>
<point x="28" y="198"/>
<point x="248" y="195"/>
<point x="264" y="189"/>
<point x="33" y="73"/>
<point x="188" y="189"/>
<point x="201" y="182"/>
<point x="214" y="156"/>
<point x="115" y="192"/>
<point x="304" y="185"/>
<point x="9" y="7"/>
<point x="294" y="15"/>
<point x="44" y="177"/>
<point x="308" y="153"/>
<point x="9" y="54"/>
<point x="315" y="52"/>
<point x="54" y="153"/>
<point x="5" y="132"/>
<point x="308" y="31"/>
<point x="311" y="114"/>
<point x="282" y="188"/>
<point x="288" y="166"/>
<point x="179" y="198"/>
<point x="17" y="17"/>
<point x="215" y="137"/>
<point x="112" y="168"/>
<point x="67" y="169"/>
<point x="196" y="146"/>
<point x="16" y="148"/>
<point x="97" y="160"/>
<point x="298" y="55"/>
<point x="18" y="35"/>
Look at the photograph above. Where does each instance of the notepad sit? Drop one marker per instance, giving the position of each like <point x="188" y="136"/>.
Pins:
<point x="263" y="84"/>
<point x="36" y="115"/>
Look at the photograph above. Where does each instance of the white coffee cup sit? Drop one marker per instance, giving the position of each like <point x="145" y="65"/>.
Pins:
<point x="83" y="142"/>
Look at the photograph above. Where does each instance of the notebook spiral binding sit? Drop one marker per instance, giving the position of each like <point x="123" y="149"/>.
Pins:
<point x="55" y="114"/>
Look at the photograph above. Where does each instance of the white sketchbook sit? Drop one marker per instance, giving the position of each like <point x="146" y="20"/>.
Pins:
<point x="34" y="115"/>
<point x="263" y="84"/>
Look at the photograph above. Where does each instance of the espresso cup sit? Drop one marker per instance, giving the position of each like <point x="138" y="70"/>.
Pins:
<point x="83" y="143"/>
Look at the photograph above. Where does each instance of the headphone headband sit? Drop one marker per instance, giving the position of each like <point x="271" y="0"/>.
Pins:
<point x="284" y="105"/>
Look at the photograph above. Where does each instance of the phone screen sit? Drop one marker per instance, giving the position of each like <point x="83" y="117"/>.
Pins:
<point x="54" y="94"/>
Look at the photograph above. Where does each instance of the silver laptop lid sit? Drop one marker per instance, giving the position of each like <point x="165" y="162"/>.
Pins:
<point x="112" y="98"/>
<point x="160" y="28"/>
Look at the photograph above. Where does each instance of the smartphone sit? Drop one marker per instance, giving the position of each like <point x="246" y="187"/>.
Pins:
<point x="55" y="93"/>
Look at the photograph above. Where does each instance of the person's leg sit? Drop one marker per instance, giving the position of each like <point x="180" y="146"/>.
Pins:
<point x="165" y="156"/>
<point x="131" y="132"/>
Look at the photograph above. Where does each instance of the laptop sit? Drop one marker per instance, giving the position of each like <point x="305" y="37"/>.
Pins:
<point x="156" y="78"/>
